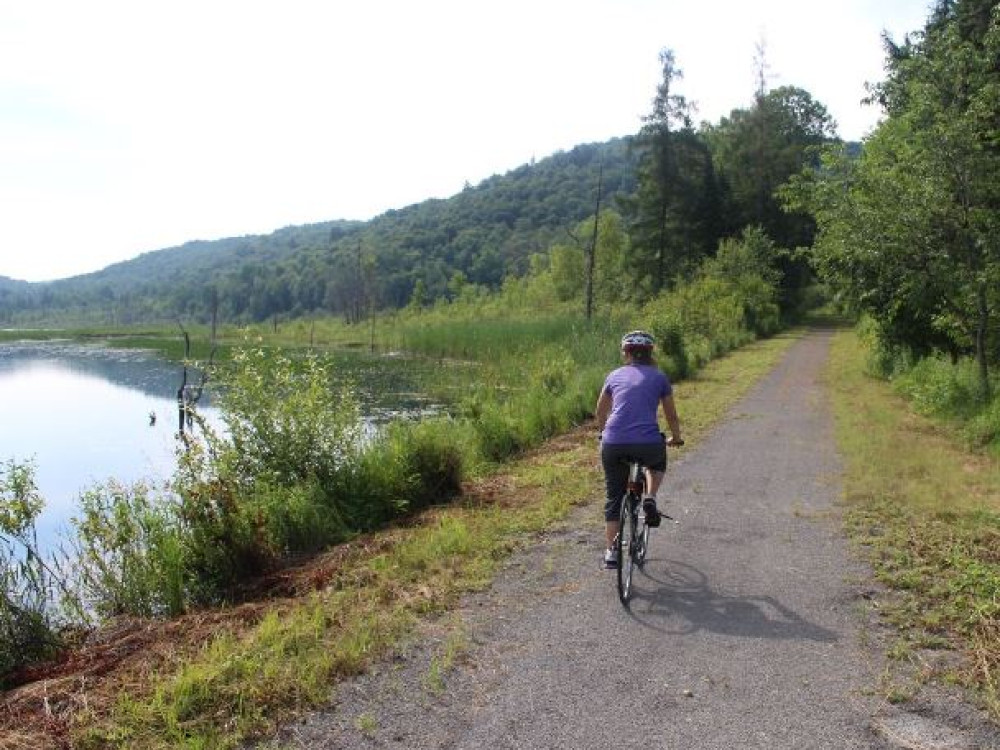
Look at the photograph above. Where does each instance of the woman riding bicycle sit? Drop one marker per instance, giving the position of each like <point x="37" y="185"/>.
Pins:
<point x="626" y="416"/>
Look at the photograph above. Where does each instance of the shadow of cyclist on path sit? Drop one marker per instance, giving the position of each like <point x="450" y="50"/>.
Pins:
<point x="675" y="598"/>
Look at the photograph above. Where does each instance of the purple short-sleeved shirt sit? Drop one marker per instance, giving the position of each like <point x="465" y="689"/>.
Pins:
<point x="635" y="392"/>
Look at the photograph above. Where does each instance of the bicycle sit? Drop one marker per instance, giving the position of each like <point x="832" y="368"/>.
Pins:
<point x="633" y="532"/>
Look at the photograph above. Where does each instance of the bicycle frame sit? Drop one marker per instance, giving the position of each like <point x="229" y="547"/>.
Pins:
<point x="636" y="483"/>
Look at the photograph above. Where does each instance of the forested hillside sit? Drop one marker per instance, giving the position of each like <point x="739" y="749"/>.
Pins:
<point x="485" y="232"/>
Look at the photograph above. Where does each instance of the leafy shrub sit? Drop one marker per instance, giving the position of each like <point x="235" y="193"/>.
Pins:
<point x="129" y="552"/>
<point x="227" y="541"/>
<point x="696" y="323"/>
<point x="273" y="484"/>
<point x="748" y="265"/>
<point x="984" y="428"/>
<point x="885" y="360"/>
<point x="372" y="490"/>
<point x="434" y="461"/>
<point x="673" y="354"/>
<point x="295" y="519"/>
<point x="27" y="630"/>
<point x="663" y="319"/>
<point x="26" y="635"/>
<point x="938" y="387"/>
<point x="284" y="420"/>
<point x="496" y="433"/>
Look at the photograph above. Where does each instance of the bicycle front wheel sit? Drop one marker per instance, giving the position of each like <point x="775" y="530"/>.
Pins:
<point x="626" y="547"/>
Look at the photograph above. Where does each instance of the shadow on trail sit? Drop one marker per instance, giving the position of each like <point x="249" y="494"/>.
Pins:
<point x="676" y="599"/>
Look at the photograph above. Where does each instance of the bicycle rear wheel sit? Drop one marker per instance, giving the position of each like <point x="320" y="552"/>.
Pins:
<point x="626" y="546"/>
<point x="637" y="480"/>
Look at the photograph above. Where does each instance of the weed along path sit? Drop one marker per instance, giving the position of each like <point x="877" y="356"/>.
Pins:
<point x="747" y="627"/>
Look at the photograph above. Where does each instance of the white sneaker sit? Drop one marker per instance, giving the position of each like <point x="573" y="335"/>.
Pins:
<point x="611" y="559"/>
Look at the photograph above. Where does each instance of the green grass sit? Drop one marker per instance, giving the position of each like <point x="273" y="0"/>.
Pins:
<point x="927" y="510"/>
<point x="445" y="659"/>
<point x="242" y="683"/>
<point x="366" y="724"/>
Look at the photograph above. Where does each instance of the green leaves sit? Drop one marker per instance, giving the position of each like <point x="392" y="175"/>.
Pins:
<point x="20" y="502"/>
<point x="27" y="631"/>
<point x="908" y="232"/>
<point x="130" y="551"/>
<point x="287" y="420"/>
<point x="757" y="150"/>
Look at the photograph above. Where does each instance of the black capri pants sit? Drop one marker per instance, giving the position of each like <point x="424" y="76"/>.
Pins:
<point x="615" y="459"/>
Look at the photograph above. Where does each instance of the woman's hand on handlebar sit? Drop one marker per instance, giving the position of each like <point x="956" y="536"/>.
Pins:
<point x="675" y="442"/>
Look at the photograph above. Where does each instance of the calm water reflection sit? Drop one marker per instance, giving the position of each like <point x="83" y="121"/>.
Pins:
<point x="82" y="413"/>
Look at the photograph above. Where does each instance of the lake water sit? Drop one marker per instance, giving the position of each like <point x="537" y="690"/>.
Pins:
<point x="82" y="413"/>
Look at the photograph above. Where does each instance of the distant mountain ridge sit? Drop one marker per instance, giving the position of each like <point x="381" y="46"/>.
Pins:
<point x="484" y="232"/>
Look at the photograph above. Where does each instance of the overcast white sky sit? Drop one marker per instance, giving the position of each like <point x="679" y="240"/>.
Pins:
<point x="132" y="126"/>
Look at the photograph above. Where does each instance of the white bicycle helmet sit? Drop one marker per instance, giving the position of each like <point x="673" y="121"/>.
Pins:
<point x="637" y="340"/>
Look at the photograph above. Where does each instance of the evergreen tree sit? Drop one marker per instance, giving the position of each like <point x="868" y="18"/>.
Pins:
<point x="672" y="218"/>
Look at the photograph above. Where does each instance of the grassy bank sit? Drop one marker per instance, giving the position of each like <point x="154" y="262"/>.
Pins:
<point x="255" y="670"/>
<point x="926" y="508"/>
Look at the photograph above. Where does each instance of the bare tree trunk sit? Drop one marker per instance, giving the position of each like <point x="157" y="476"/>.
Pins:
<point x="661" y="254"/>
<point x="183" y="394"/>
<point x="359" y="292"/>
<point x="215" y="312"/>
<point x="188" y="395"/>
<point x="763" y="191"/>
<point x="593" y="246"/>
<point x="981" y="334"/>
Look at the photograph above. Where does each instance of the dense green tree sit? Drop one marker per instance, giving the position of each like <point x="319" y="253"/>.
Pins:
<point x="672" y="217"/>
<point x="418" y="300"/>
<point x="910" y="232"/>
<point x="614" y="278"/>
<point x="756" y="151"/>
<point x="568" y="270"/>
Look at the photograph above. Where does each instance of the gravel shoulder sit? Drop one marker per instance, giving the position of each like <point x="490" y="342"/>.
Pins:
<point x="751" y="625"/>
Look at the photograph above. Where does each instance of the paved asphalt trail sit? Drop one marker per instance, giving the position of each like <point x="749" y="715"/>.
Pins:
<point x="746" y="629"/>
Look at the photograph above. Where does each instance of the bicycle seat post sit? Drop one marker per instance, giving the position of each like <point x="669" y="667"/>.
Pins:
<point x="636" y="477"/>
